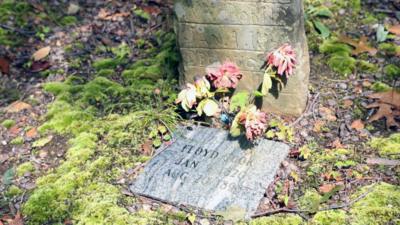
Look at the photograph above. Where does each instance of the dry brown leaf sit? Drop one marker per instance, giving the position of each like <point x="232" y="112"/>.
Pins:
<point x="325" y="188"/>
<point x="41" y="53"/>
<point x="395" y="29"/>
<point x="153" y="10"/>
<point x="385" y="111"/>
<point x="360" y="46"/>
<point x="17" y="107"/>
<point x="337" y="144"/>
<point x="32" y="133"/>
<point x="389" y="97"/>
<point x="147" y="147"/>
<point x="17" y="220"/>
<point x="327" y="114"/>
<point x="357" y="125"/>
<point x="347" y="103"/>
<point x="106" y="15"/>
<point x="318" y="125"/>
<point x="4" y="66"/>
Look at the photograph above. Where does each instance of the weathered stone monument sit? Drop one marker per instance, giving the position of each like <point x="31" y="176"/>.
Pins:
<point x="206" y="168"/>
<point x="243" y="31"/>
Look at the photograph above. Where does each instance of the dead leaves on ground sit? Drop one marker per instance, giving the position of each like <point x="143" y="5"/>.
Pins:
<point x="395" y="29"/>
<point x="361" y="45"/>
<point x="17" y="107"/>
<point x="388" y="106"/>
<point x="106" y="15"/>
<point x="41" y="53"/>
<point x="4" y="66"/>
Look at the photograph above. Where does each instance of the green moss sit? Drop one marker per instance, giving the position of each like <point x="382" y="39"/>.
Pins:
<point x="387" y="147"/>
<point x="369" y="18"/>
<point x="332" y="217"/>
<point x="17" y="141"/>
<point x="340" y="59"/>
<point x="366" y="66"/>
<point x="110" y="63"/>
<point x="380" y="87"/>
<point x="25" y="168"/>
<point x="8" y="123"/>
<point x="310" y="200"/>
<point x="105" y="73"/>
<point x="69" y="20"/>
<point x="392" y="71"/>
<point x="142" y="14"/>
<point x="13" y="191"/>
<point x="389" y="48"/>
<point x="287" y="219"/>
<point x="381" y="206"/>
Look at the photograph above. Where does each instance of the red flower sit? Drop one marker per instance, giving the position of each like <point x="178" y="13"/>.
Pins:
<point x="284" y="58"/>
<point x="254" y="122"/>
<point x="224" y="76"/>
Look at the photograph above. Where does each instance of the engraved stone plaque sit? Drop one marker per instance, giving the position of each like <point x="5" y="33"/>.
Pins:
<point x="244" y="31"/>
<point x="206" y="168"/>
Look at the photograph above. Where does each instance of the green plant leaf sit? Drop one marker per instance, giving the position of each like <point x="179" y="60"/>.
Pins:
<point x="267" y="83"/>
<point x="323" y="12"/>
<point x="239" y="100"/>
<point x="8" y="176"/>
<point x="381" y="34"/>
<point x="322" y="29"/>
<point x="258" y="94"/>
<point x="192" y="218"/>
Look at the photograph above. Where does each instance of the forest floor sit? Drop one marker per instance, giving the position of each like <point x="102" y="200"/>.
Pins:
<point x="82" y="85"/>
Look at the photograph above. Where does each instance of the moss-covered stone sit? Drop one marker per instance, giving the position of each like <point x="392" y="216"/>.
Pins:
<point x="310" y="201"/>
<point x="110" y="63"/>
<point x="380" y="87"/>
<point x="26" y="167"/>
<point x="366" y="66"/>
<point x="340" y="59"/>
<point x="389" y="48"/>
<point x="8" y="123"/>
<point x="13" y="191"/>
<point x="380" y="206"/>
<point x="331" y="217"/>
<point x="105" y="73"/>
<point x="392" y="71"/>
<point x="387" y="147"/>
<point x="286" y="219"/>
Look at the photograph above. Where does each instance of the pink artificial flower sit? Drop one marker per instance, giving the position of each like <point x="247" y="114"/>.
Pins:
<point x="284" y="58"/>
<point x="225" y="76"/>
<point x="254" y="121"/>
<point x="187" y="97"/>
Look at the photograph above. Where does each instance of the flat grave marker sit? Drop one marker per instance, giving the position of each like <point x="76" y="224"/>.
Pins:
<point x="206" y="168"/>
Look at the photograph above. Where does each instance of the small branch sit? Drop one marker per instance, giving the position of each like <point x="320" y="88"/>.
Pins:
<point x="281" y="210"/>
<point x="20" y="31"/>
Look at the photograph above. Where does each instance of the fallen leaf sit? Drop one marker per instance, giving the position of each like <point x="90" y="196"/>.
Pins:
<point x="318" y="125"/>
<point x="347" y="103"/>
<point x="14" y="131"/>
<point x="337" y="144"/>
<point x="42" y="142"/>
<point x="327" y="114"/>
<point x="41" y="53"/>
<point x="17" y="106"/>
<point x="357" y="125"/>
<point x="388" y="104"/>
<point x="147" y="147"/>
<point x="4" y="66"/>
<point x="3" y="158"/>
<point x="32" y="133"/>
<point x="39" y="66"/>
<point x="17" y="220"/>
<point x="153" y="10"/>
<point x="395" y="29"/>
<point x="106" y="15"/>
<point x="360" y="45"/>
<point x="325" y="188"/>
<point x="383" y="161"/>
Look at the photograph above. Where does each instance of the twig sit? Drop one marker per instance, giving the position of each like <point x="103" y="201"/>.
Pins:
<point x="309" y="106"/>
<point x="282" y="210"/>
<point x="23" y="32"/>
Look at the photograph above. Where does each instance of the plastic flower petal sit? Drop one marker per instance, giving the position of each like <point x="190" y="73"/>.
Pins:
<point x="226" y="75"/>
<point x="202" y="87"/>
<point x="254" y="122"/>
<point x="284" y="58"/>
<point x="187" y="97"/>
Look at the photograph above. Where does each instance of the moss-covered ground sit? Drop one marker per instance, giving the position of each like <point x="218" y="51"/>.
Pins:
<point x="84" y="126"/>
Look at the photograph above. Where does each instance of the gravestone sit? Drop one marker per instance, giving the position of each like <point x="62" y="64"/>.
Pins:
<point x="207" y="169"/>
<point x="244" y="31"/>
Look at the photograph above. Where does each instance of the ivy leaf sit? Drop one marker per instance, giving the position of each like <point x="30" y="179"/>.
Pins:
<point x="322" y="29"/>
<point x="381" y="34"/>
<point x="239" y="100"/>
<point x="267" y="83"/>
<point x="192" y="218"/>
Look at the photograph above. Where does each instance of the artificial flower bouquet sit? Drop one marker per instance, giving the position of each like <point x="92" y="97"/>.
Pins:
<point x="207" y="96"/>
